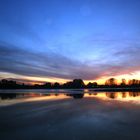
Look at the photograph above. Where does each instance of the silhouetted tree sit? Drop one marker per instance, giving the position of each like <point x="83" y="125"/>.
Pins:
<point x="67" y="85"/>
<point x="92" y="85"/>
<point x="134" y="82"/>
<point x="111" y="82"/>
<point x="89" y="85"/>
<point x="78" y="83"/>
<point x="8" y="84"/>
<point x="48" y="85"/>
<point x="123" y="82"/>
<point x="56" y="85"/>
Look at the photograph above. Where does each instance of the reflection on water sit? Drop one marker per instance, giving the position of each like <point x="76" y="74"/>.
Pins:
<point x="61" y="94"/>
<point x="120" y="96"/>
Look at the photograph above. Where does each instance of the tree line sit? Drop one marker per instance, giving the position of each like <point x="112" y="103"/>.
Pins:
<point x="76" y="84"/>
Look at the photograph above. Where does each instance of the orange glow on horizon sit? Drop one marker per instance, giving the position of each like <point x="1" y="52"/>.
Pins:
<point x="40" y="80"/>
<point x="135" y="75"/>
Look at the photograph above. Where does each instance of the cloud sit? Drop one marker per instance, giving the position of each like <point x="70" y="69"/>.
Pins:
<point x="19" y="61"/>
<point x="23" y="62"/>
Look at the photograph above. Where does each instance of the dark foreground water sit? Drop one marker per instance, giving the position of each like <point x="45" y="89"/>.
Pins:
<point x="97" y="116"/>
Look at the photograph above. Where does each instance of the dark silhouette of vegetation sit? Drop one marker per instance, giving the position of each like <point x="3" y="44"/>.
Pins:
<point x="92" y="85"/>
<point x="123" y="83"/>
<point x="110" y="85"/>
<point x="76" y="83"/>
<point x="112" y="82"/>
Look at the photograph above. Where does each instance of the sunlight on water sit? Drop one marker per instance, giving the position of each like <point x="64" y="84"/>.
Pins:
<point x="31" y="98"/>
<point x="133" y="97"/>
<point x="49" y="95"/>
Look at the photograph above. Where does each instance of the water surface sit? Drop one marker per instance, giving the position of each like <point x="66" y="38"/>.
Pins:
<point x="56" y="115"/>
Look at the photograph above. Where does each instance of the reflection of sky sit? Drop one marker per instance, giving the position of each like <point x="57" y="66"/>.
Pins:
<point x="69" y="39"/>
<point x="52" y="95"/>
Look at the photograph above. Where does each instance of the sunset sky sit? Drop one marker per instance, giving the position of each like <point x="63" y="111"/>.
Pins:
<point x="60" y="40"/>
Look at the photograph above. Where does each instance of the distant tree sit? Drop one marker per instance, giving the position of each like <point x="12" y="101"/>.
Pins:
<point x="111" y="82"/>
<point x="6" y="84"/>
<point x="4" y="81"/>
<point x="89" y="85"/>
<point x="92" y="85"/>
<point x="134" y="82"/>
<point x="67" y="85"/>
<point x="95" y="84"/>
<point x="56" y="85"/>
<point x="123" y="82"/>
<point x="78" y="83"/>
<point x="36" y="85"/>
<point x="48" y="85"/>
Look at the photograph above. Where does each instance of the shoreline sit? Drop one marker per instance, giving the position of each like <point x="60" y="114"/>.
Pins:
<point x="76" y="89"/>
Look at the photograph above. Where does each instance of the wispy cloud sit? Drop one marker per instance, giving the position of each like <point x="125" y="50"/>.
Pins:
<point x="38" y="64"/>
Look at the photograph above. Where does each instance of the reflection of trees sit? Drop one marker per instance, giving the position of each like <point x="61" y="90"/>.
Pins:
<point x="76" y="95"/>
<point x="112" y="95"/>
<point x="134" y="94"/>
<point x="124" y="94"/>
<point x="93" y="93"/>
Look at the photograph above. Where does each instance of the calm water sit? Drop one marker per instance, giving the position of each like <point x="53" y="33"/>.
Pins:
<point x="55" y="114"/>
<point x="8" y="97"/>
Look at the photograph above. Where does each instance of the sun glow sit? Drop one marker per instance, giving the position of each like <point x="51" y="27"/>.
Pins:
<point x="134" y="75"/>
<point x="40" y="80"/>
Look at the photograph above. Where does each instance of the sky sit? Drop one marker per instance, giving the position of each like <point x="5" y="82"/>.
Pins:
<point x="60" y="40"/>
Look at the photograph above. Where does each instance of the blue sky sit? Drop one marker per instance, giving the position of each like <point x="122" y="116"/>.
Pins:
<point x="69" y="39"/>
